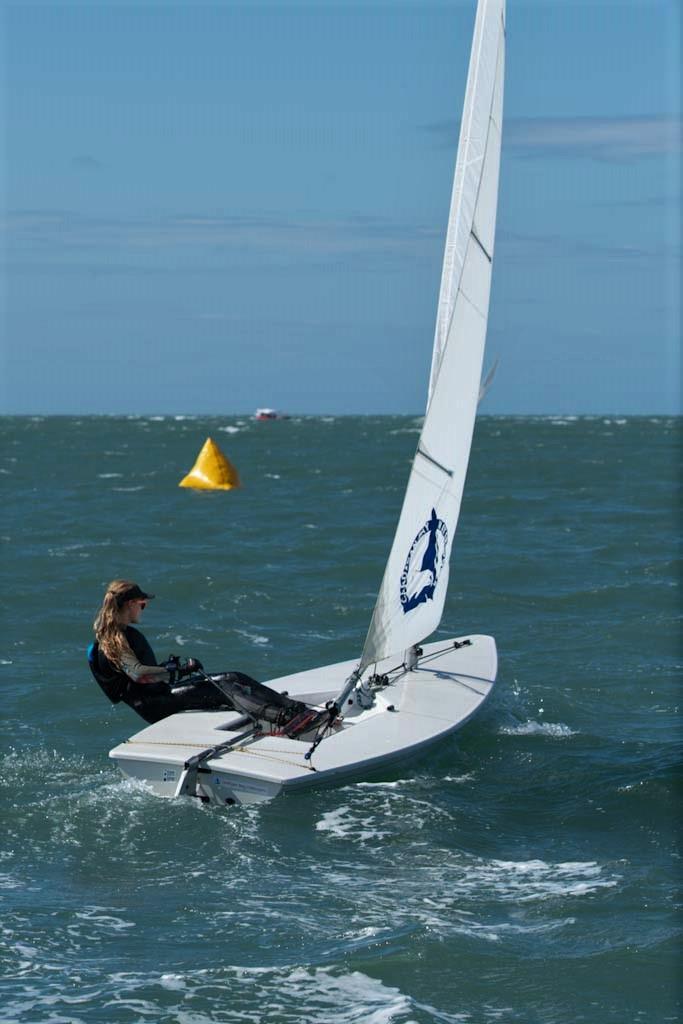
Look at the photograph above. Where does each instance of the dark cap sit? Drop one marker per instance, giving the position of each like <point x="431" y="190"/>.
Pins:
<point x="133" y="593"/>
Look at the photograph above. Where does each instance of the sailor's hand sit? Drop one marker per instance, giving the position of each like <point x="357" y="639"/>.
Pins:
<point x="190" y="666"/>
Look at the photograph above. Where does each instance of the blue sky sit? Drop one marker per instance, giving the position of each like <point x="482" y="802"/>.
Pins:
<point x="208" y="208"/>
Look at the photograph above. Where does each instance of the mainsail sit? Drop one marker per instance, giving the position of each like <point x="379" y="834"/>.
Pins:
<point x="413" y="591"/>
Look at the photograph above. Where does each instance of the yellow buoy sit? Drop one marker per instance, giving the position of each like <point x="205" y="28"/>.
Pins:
<point x="212" y="471"/>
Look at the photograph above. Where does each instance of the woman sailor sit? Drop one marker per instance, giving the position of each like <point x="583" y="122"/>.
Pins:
<point x="124" y="664"/>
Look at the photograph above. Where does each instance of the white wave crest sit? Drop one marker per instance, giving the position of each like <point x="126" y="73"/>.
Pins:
<point x="104" y="919"/>
<point x="557" y="730"/>
<point x="343" y="823"/>
<point x="308" y="995"/>
<point x="533" y="880"/>
<point x="254" y="638"/>
<point x="10" y="882"/>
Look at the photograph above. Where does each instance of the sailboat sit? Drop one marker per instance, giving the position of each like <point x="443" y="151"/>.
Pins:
<point x="344" y="721"/>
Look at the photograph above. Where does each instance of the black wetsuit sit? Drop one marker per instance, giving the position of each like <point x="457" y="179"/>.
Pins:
<point x="154" y="701"/>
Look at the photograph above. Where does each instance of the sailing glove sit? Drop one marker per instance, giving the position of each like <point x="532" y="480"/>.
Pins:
<point x="172" y="666"/>
<point x="190" y="666"/>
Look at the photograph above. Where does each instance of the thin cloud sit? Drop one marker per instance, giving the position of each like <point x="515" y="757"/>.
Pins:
<point x="86" y="163"/>
<point x="536" y="248"/>
<point x="610" y="139"/>
<point x="33" y="234"/>
<point x="613" y="139"/>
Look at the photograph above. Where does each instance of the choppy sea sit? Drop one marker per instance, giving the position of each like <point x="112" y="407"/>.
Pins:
<point x="527" y="870"/>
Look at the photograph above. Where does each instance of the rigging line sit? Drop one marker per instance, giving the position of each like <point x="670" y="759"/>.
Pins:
<point x="450" y="647"/>
<point x="476" y="309"/>
<point x="165" y="743"/>
<point x="235" y="750"/>
<point x="428" y="479"/>
<point x="457" y="679"/>
<point x="437" y="654"/>
<point x="271" y="751"/>
<point x="279" y="760"/>
<point x="211" y="753"/>
<point x="390" y="671"/>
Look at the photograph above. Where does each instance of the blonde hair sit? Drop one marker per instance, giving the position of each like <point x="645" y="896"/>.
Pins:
<point x="108" y="629"/>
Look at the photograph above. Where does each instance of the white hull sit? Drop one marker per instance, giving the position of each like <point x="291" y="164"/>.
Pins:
<point x="414" y="710"/>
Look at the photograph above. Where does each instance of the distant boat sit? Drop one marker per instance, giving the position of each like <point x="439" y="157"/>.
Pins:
<point x="328" y="724"/>
<point x="269" y="414"/>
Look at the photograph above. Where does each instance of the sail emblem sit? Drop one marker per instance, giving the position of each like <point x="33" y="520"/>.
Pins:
<point x="424" y="563"/>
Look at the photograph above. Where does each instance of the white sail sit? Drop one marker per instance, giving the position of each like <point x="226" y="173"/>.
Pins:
<point x="413" y="591"/>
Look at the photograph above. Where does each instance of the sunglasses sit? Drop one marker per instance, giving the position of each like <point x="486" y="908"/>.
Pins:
<point x="143" y="605"/>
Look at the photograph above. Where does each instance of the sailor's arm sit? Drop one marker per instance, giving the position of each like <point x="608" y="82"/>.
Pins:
<point x="140" y="673"/>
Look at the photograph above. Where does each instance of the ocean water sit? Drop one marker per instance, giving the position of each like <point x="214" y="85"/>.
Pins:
<point x="526" y="870"/>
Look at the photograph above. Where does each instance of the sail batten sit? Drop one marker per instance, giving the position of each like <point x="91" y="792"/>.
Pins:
<point x="427" y="456"/>
<point x="481" y="245"/>
<point x="413" y="590"/>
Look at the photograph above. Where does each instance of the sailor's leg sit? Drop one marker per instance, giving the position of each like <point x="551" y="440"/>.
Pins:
<point x="154" y="701"/>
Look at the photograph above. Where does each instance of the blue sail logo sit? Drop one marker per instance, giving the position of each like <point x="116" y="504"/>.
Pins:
<point x="424" y="563"/>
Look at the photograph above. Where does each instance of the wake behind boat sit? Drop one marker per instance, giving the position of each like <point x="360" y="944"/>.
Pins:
<point x="344" y="720"/>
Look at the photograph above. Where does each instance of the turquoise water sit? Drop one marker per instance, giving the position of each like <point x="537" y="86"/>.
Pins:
<point x="527" y="870"/>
